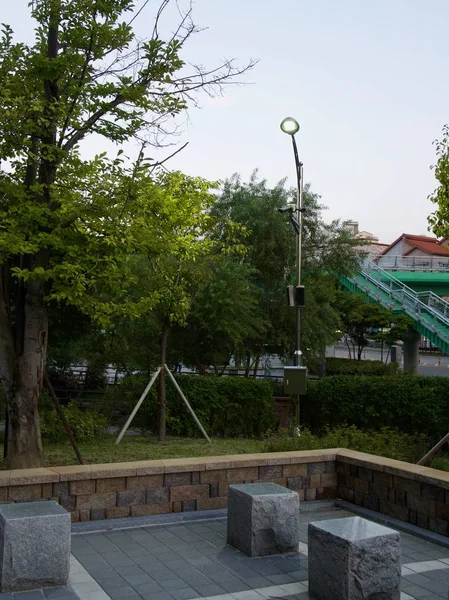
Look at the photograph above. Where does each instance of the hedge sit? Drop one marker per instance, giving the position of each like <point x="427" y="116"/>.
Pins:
<point x="226" y="406"/>
<point x="347" y="366"/>
<point x="85" y="424"/>
<point x="386" y="442"/>
<point x="408" y="404"/>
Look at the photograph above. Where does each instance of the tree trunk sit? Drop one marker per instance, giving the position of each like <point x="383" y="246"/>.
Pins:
<point x="248" y="364"/>
<point x="226" y="364"/>
<point x="161" y="388"/>
<point x="24" y="444"/>
<point x="348" y="345"/>
<point x="322" y="364"/>
<point x="256" y="366"/>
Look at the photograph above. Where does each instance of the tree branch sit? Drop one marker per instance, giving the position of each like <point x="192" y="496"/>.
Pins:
<point x="161" y="162"/>
<point x="80" y="133"/>
<point x="80" y="82"/>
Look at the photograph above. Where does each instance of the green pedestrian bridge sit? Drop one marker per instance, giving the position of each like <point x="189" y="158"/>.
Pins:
<point x="413" y="286"/>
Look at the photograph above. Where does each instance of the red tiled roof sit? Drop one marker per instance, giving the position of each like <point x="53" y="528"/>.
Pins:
<point x="433" y="248"/>
<point x="429" y="245"/>
<point x="423" y="238"/>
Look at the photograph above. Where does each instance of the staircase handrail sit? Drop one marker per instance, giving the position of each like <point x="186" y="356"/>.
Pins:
<point x="411" y="301"/>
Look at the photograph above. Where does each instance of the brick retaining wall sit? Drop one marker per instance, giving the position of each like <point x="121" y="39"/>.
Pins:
<point x="163" y="486"/>
<point x="408" y="492"/>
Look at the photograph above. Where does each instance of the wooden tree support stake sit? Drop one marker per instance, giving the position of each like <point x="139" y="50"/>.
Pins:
<point x="145" y="392"/>
<point x="425" y="460"/>
<point x="63" y="418"/>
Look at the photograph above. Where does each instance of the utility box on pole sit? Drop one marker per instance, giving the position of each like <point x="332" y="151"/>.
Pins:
<point x="295" y="381"/>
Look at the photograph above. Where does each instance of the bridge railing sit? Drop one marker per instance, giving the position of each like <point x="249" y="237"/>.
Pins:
<point x="417" y="305"/>
<point x="414" y="263"/>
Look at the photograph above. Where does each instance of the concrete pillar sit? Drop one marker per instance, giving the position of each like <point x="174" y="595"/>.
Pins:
<point x="394" y="354"/>
<point x="411" y="351"/>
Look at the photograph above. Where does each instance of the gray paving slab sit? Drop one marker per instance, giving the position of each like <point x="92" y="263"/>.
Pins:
<point x="54" y="593"/>
<point x="184" y="594"/>
<point x="123" y="593"/>
<point x="189" y="560"/>
<point x="212" y="589"/>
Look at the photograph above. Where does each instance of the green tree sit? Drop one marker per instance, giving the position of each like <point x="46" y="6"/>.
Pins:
<point x="69" y="225"/>
<point x="226" y="313"/>
<point x="188" y="248"/>
<point x="361" y="322"/>
<point x="439" y="220"/>
<point x="328" y="250"/>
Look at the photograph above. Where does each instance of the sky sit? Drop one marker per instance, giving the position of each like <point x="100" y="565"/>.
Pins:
<point x="367" y="82"/>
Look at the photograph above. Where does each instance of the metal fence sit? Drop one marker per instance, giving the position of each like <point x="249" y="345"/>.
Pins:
<point x="413" y="263"/>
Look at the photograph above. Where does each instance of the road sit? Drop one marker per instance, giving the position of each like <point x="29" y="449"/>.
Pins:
<point x="431" y="366"/>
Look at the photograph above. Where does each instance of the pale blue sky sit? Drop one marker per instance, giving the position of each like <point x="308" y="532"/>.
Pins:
<point x="367" y="81"/>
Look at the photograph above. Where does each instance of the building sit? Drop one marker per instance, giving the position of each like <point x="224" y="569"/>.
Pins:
<point x="372" y="247"/>
<point x="419" y="252"/>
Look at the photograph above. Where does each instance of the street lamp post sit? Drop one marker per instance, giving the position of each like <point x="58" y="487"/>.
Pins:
<point x="291" y="126"/>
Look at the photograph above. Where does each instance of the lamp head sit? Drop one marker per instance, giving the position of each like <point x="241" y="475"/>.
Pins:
<point x="290" y="125"/>
<point x="287" y="208"/>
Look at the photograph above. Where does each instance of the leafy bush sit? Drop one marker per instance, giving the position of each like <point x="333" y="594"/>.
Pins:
<point x="226" y="406"/>
<point x="386" y="442"/>
<point x="408" y="404"/>
<point x="85" y="424"/>
<point x="347" y="366"/>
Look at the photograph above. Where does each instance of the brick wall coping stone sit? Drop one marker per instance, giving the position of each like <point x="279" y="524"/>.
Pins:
<point x="395" y="467"/>
<point x="154" y="467"/>
<point x="208" y="463"/>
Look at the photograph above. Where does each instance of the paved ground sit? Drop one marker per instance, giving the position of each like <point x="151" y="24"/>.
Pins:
<point x="56" y="593"/>
<point x="188" y="560"/>
<point x="81" y="586"/>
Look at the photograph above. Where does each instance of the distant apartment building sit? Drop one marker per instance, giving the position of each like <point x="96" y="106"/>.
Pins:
<point x="372" y="247"/>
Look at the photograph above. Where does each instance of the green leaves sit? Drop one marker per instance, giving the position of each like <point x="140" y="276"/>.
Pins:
<point x="226" y="406"/>
<point x="361" y="322"/>
<point x="439" y="220"/>
<point x="271" y="254"/>
<point x="87" y="73"/>
<point x="409" y="404"/>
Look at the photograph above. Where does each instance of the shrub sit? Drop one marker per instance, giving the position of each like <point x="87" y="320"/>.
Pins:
<point x="226" y="406"/>
<point x="347" y="366"/>
<point x="408" y="404"/>
<point x="85" y="424"/>
<point x="386" y="442"/>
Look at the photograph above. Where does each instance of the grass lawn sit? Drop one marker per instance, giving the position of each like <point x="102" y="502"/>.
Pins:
<point x="441" y="462"/>
<point x="104" y="450"/>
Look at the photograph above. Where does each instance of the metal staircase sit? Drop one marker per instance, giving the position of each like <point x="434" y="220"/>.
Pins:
<point x="429" y="312"/>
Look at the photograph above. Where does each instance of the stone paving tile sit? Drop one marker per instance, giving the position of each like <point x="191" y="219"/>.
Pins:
<point x="123" y="593"/>
<point x="212" y="589"/>
<point x="173" y="584"/>
<point x="191" y="560"/>
<point x="235" y="585"/>
<point x="54" y="593"/>
<point x="184" y="594"/>
<point x="60" y="593"/>
<point x="32" y="595"/>
<point x="439" y="575"/>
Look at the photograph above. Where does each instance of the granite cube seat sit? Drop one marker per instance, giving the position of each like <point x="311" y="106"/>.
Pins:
<point x="353" y="559"/>
<point x="34" y="545"/>
<point x="263" y="518"/>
